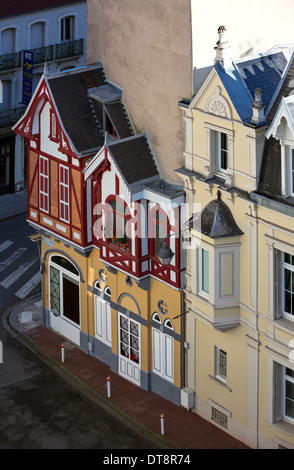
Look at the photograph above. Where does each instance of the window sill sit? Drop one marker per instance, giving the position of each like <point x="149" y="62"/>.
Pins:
<point x="219" y="382"/>
<point x="284" y="426"/>
<point x="285" y="323"/>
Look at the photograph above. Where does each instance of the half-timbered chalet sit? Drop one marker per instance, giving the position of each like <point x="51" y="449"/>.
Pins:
<point x="98" y="201"/>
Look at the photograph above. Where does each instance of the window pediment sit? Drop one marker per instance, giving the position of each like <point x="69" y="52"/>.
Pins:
<point x="216" y="104"/>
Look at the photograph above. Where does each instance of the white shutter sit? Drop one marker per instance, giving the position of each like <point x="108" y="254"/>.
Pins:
<point x="8" y="41"/>
<point x="37" y="35"/>
<point x="98" y="312"/>
<point x="108" y="323"/>
<point x="157" y="358"/>
<point x="169" y="354"/>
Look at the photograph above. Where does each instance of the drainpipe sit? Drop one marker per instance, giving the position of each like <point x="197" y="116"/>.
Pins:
<point x="183" y="335"/>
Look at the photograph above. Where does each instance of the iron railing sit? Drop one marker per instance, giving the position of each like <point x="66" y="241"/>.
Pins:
<point x="11" y="116"/>
<point x="10" y="61"/>
<point x="44" y="54"/>
<point x="69" y="49"/>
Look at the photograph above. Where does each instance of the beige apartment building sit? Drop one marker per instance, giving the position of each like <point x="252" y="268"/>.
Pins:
<point x="239" y="295"/>
<point x="153" y="51"/>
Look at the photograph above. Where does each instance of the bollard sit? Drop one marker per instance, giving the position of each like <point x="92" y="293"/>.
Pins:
<point x="62" y="353"/>
<point x="108" y="387"/>
<point x="162" y="424"/>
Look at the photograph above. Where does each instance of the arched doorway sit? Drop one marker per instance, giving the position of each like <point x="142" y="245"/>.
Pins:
<point x="64" y="298"/>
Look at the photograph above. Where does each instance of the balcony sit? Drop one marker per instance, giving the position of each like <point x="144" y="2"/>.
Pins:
<point x="44" y="54"/>
<point x="9" y="117"/>
<point x="10" y="61"/>
<point x="69" y="49"/>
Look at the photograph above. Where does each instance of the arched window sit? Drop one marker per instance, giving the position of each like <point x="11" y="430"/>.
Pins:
<point x="169" y="324"/>
<point x="37" y="35"/>
<point x="116" y="222"/>
<point x="160" y="230"/>
<point x="156" y="317"/>
<point x="8" y="41"/>
<point x="67" y="25"/>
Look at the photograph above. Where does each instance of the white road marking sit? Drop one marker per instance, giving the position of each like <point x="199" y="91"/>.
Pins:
<point x="28" y="287"/>
<point x="12" y="278"/>
<point x="5" y="245"/>
<point x="12" y="258"/>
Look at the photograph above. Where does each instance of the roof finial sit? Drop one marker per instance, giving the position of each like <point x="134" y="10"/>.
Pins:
<point x="222" y="48"/>
<point x="257" y="108"/>
<point x="219" y="195"/>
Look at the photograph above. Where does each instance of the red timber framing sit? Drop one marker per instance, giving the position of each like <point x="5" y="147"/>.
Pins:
<point x="130" y="258"/>
<point x="55" y="185"/>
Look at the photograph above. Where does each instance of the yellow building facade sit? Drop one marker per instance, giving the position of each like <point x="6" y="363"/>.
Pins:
<point x="239" y="320"/>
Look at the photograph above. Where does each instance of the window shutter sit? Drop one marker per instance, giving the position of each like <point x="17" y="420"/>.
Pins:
<point x="98" y="305"/>
<point x="108" y="323"/>
<point x="278" y="285"/>
<point x="157" y="359"/>
<point x="278" y="391"/>
<point x="169" y="354"/>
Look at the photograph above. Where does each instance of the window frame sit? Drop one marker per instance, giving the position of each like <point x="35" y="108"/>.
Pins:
<point x="220" y="364"/>
<point x="53" y="126"/>
<point x="63" y="28"/>
<point x="63" y="191"/>
<point x="289" y="267"/>
<point x="213" y="148"/>
<point x="201" y="289"/>
<point x="63" y="273"/>
<point x="287" y="378"/>
<point x="44" y="178"/>
<point x="162" y="345"/>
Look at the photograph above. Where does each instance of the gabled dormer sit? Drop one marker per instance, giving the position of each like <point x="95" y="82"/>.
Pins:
<point x="227" y="117"/>
<point x="133" y="211"/>
<point x="63" y="131"/>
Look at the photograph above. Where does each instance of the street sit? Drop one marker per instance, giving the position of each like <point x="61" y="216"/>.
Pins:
<point x="39" y="410"/>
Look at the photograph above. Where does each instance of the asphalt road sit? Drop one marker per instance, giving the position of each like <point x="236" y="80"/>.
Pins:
<point x="38" y="408"/>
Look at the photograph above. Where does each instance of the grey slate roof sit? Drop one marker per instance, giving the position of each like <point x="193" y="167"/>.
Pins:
<point x="82" y="115"/>
<point x="270" y="176"/>
<point x="134" y="158"/>
<point x="215" y="220"/>
<point x="264" y="72"/>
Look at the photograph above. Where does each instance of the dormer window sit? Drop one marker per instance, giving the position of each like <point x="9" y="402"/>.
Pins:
<point x="223" y="151"/>
<point x="219" y="149"/>
<point x="53" y="126"/>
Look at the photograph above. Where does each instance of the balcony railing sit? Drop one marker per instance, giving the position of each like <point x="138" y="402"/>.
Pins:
<point x="11" y="116"/>
<point x="44" y="54"/>
<point x="10" y="61"/>
<point x="69" y="49"/>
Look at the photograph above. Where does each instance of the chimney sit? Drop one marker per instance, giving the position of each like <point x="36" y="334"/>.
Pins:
<point x="222" y="49"/>
<point x="258" y="108"/>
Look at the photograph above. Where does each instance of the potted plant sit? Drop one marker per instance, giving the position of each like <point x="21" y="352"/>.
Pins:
<point x="122" y="241"/>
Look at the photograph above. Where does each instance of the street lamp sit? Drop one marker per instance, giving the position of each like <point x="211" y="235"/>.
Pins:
<point x="165" y="254"/>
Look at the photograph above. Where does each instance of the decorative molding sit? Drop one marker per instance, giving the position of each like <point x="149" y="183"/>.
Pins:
<point x="216" y="104"/>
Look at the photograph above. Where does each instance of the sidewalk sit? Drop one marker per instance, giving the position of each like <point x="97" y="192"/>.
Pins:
<point x="12" y="205"/>
<point x="134" y="406"/>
